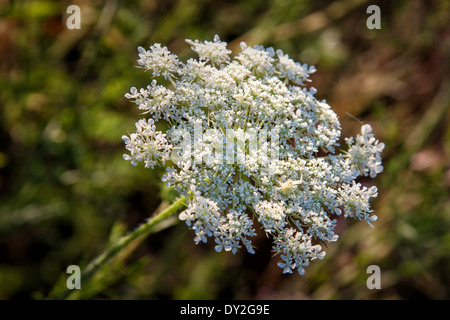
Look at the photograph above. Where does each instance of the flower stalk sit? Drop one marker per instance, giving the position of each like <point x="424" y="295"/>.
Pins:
<point x="115" y="249"/>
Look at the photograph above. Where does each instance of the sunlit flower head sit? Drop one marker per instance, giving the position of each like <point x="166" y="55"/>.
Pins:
<point x="242" y="143"/>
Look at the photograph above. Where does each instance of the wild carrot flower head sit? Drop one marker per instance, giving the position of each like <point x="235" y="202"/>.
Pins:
<point x="242" y="145"/>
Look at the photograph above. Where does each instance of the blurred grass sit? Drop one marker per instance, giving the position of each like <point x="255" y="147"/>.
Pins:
<point x="65" y="191"/>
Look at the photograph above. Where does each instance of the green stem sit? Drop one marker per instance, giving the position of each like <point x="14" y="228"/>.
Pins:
<point x="141" y="231"/>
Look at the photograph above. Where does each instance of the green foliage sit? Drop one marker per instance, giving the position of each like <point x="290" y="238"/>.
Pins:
<point x="66" y="194"/>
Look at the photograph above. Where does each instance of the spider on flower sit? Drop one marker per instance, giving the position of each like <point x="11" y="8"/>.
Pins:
<point x="287" y="186"/>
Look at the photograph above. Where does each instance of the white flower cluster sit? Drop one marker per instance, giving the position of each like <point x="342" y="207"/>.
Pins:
<point x="365" y="152"/>
<point x="270" y="175"/>
<point x="147" y="145"/>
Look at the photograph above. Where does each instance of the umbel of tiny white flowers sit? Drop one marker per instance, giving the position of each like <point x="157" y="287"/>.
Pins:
<point x="295" y="196"/>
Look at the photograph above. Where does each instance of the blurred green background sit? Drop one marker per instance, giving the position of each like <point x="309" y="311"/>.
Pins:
<point x="66" y="193"/>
